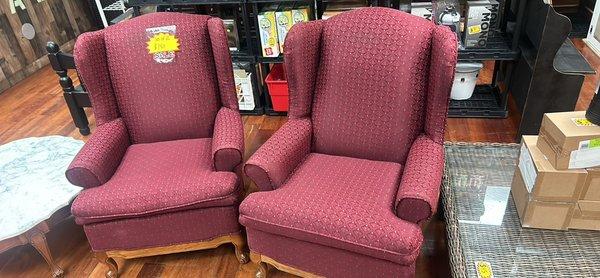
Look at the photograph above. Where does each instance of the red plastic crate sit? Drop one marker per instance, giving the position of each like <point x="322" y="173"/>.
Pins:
<point x="278" y="88"/>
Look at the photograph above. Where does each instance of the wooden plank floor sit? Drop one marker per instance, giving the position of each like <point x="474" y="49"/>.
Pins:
<point x="35" y="107"/>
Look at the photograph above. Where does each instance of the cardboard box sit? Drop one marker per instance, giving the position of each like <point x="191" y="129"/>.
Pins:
<point x="589" y="209"/>
<point x="542" y="181"/>
<point x="591" y="188"/>
<point x="481" y="21"/>
<point x="284" y="19"/>
<point x="569" y="141"/>
<point x="268" y="32"/>
<point x="243" y="89"/>
<point x="586" y="216"/>
<point x="538" y="214"/>
<point x="422" y="9"/>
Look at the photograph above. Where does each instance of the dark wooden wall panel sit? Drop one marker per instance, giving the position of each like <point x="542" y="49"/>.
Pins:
<point x="53" y="20"/>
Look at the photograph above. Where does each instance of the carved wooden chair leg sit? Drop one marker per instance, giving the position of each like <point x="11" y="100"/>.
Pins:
<point x="113" y="267"/>
<point x="38" y="240"/>
<point x="241" y="249"/>
<point x="262" y="270"/>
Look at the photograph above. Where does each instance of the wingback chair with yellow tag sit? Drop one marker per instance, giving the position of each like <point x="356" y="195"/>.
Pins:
<point x="346" y="181"/>
<point x="159" y="171"/>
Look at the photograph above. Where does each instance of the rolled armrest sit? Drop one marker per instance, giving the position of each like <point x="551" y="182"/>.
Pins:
<point x="228" y="140"/>
<point x="419" y="189"/>
<point x="99" y="158"/>
<point x="273" y="162"/>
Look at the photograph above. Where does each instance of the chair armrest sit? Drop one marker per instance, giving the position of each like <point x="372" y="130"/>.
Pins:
<point x="99" y="158"/>
<point x="444" y="55"/>
<point x="228" y="140"/>
<point x="419" y="190"/>
<point x="274" y="161"/>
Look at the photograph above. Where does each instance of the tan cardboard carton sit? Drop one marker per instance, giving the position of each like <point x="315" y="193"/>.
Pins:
<point x="542" y="181"/>
<point x="538" y="214"/>
<point x="591" y="188"/>
<point x="586" y="216"/>
<point x="569" y="141"/>
<point x="589" y="209"/>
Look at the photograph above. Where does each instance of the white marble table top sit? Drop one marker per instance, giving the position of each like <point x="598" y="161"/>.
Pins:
<point x="32" y="181"/>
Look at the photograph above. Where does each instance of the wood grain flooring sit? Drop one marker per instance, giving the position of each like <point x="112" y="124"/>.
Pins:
<point x="35" y="107"/>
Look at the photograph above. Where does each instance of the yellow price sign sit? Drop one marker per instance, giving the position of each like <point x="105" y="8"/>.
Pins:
<point x="582" y="122"/>
<point x="163" y="42"/>
<point x="484" y="269"/>
<point x="476" y="29"/>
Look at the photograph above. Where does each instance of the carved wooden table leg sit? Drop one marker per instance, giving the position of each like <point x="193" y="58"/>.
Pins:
<point x="38" y="240"/>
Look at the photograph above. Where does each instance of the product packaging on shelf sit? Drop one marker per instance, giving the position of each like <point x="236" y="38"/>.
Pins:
<point x="422" y="9"/>
<point x="233" y="41"/>
<point x="481" y="21"/>
<point x="243" y="89"/>
<point x="284" y="19"/>
<point x="569" y="140"/>
<point x="300" y="13"/>
<point x="268" y="32"/>
<point x="543" y="182"/>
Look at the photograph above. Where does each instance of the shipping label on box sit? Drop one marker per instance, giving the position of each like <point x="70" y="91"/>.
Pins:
<point x="480" y="22"/>
<point x="542" y="181"/>
<point x="422" y="9"/>
<point x="268" y="34"/>
<point x="569" y="141"/>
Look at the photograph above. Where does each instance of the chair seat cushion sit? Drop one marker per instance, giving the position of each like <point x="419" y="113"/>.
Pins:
<point x="341" y="202"/>
<point x="156" y="178"/>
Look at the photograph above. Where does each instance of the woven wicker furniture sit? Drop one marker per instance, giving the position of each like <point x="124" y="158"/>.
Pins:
<point x="482" y="222"/>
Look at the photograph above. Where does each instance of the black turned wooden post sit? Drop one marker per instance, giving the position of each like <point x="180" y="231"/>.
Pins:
<point x="69" y="92"/>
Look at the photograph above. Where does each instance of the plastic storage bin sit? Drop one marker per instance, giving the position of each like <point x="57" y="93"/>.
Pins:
<point x="465" y="80"/>
<point x="278" y="88"/>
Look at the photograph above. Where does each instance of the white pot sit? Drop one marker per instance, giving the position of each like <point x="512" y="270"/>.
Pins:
<point x="465" y="80"/>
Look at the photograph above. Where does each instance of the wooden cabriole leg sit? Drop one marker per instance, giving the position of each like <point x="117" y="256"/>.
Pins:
<point x="38" y="240"/>
<point x="113" y="268"/>
<point x="240" y="248"/>
<point x="262" y="269"/>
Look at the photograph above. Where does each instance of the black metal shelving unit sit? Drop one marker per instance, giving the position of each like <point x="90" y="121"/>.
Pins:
<point x="488" y="100"/>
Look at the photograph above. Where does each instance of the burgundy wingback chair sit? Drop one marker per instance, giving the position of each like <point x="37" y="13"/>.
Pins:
<point x="346" y="181"/>
<point x="159" y="171"/>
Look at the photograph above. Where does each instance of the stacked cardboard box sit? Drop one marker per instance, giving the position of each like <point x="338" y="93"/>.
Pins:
<point x="552" y="188"/>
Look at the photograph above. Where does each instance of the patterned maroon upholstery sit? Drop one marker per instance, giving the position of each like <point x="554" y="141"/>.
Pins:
<point x="168" y="140"/>
<point x="100" y="156"/>
<point x="324" y="188"/>
<point x="156" y="178"/>
<point x="360" y="161"/>
<point x="163" y="229"/>
<point x="324" y="260"/>
<point x="271" y="164"/>
<point x="228" y="141"/>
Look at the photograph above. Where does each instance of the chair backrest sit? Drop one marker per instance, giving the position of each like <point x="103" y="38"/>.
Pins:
<point x="158" y="101"/>
<point x="371" y="84"/>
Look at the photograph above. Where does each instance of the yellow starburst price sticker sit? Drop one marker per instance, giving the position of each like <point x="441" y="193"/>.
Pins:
<point x="163" y="42"/>
<point x="484" y="269"/>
